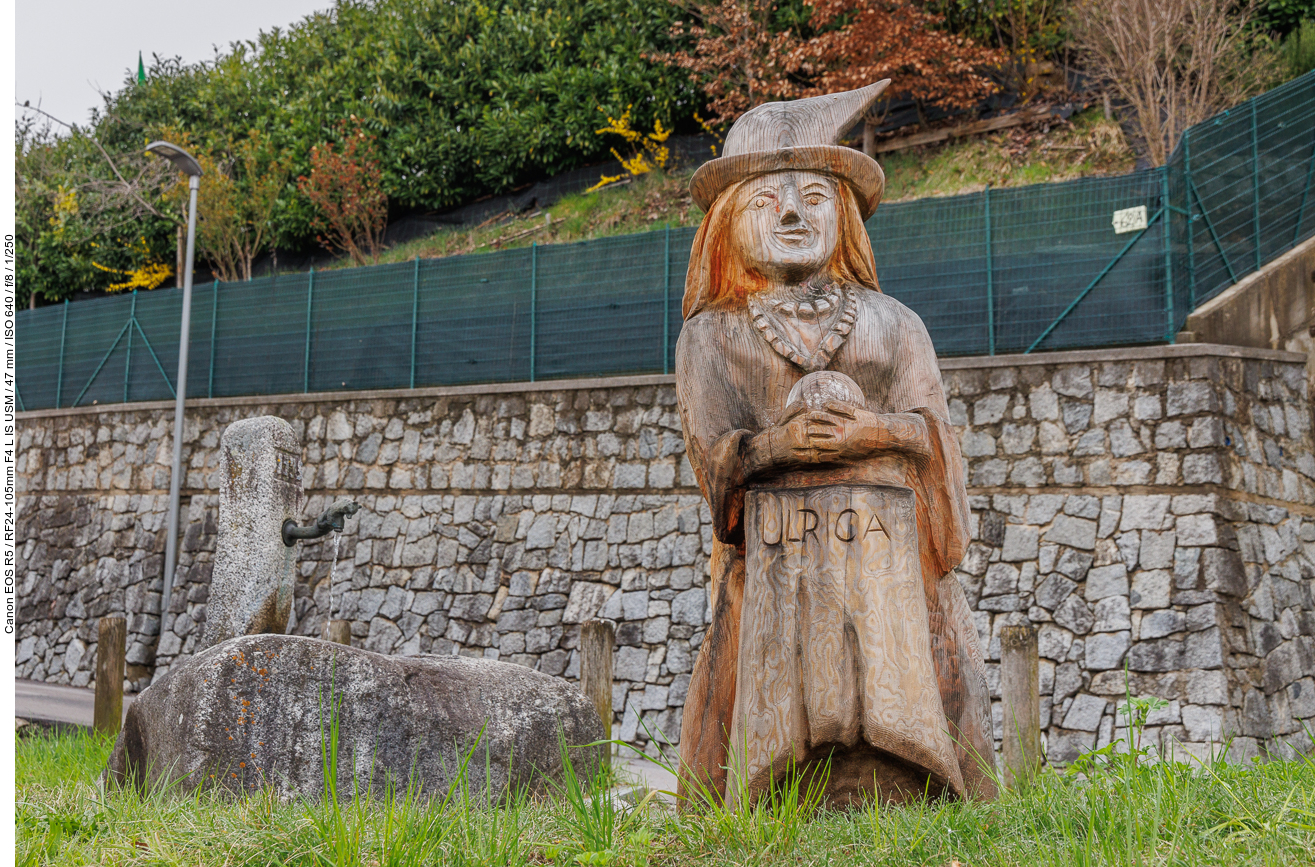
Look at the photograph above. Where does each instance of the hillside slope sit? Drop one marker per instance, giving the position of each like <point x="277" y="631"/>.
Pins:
<point x="1088" y="145"/>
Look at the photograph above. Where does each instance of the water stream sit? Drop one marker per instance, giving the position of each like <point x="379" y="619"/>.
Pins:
<point x="333" y="570"/>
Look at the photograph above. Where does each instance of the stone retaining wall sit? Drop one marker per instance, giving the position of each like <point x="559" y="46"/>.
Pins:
<point x="1148" y="507"/>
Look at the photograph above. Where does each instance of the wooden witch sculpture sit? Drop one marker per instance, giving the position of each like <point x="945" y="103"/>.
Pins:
<point x="816" y="424"/>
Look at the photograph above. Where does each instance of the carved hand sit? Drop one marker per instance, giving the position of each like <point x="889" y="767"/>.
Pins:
<point x="838" y="433"/>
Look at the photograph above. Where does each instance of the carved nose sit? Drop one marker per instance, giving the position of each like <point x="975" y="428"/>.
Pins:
<point x="789" y="214"/>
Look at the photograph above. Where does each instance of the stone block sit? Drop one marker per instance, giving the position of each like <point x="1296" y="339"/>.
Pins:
<point x="634" y="605"/>
<point x="690" y="607"/>
<point x="1144" y="512"/>
<point x="630" y="663"/>
<point x="1288" y="663"/>
<point x="1073" y="381"/>
<point x="1106" y="650"/>
<point x="1150" y="589"/>
<point x="1109" y="405"/>
<point x="586" y="598"/>
<point x="1157" y="550"/>
<point x="990" y="409"/>
<point x="1073" y="532"/>
<point x="1301" y="698"/>
<point x="630" y="475"/>
<point x="260" y="476"/>
<point x="1207" y="687"/>
<point x="1222" y="571"/>
<point x="1166" y="654"/>
<point x="1085" y="713"/>
<point x="1157" y="624"/>
<point x="1075" y="615"/>
<point x="1105" y="581"/>
<point x="1186" y="398"/>
<point x="1112" y="615"/>
<point x="1053" y="642"/>
<point x="1197" y="530"/>
<point x="1020" y="543"/>
<point x="1204" y="649"/>
<point x="517" y="621"/>
<point x="1203" y="723"/>
<point x="1053" y="591"/>
<point x="1007" y="602"/>
<point x="1000" y="578"/>
<point x="1074" y="564"/>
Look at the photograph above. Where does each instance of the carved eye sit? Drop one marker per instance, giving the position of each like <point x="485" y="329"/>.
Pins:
<point x="760" y="202"/>
<point x="814" y="198"/>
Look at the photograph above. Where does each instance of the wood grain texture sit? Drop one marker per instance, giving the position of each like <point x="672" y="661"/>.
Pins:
<point x="816" y="425"/>
<point x="111" y="662"/>
<point x="731" y="386"/>
<point x="839" y="658"/>
<point x="800" y="135"/>
<point x="1020" y="695"/>
<point x="597" y="641"/>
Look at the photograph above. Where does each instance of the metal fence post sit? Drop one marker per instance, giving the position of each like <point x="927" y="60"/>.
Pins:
<point x="666" y="302"/>
<point x="214" y="312"/>
<point x="990" y="277"/>
<point x="1168" y="255"/>
<point x="310" y="297"/>
<point x="1255" y="181"/>
<point x="59" y="375"/>
<point x="127" y="361"/>
<point x="534" y="301"/>
<point x="415" y="311"/>
<point x="1191" y="229"/>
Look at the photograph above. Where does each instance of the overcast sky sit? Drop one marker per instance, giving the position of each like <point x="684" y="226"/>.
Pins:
<point x="69" y="50"/>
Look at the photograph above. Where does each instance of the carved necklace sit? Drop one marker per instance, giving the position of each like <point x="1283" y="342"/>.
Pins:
<point x="769" y="320"/>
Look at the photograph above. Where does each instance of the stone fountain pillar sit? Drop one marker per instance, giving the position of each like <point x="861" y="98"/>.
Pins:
<point x="260" y="488"/>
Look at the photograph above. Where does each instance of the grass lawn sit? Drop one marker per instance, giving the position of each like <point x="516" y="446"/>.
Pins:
<point x="1086" y="146"/>
<point x="1163" y="814"/>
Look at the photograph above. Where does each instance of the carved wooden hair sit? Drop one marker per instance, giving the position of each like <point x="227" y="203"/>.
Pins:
<point x="718" y="277"/>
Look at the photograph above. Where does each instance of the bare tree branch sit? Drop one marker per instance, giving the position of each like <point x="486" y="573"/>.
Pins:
<point x="126" y="187"/>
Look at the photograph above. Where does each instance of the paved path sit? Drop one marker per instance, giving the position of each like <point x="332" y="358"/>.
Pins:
<point x="51" y="702"/>
<point x="649" y="773"/>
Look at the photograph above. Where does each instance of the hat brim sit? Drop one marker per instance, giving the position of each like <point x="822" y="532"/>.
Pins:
<point x="855" y="167"/>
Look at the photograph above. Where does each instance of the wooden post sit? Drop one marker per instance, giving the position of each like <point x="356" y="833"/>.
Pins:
<point x="339" y="632"/>
<point x="111" y="653"/>
<point x="1020" y="692"/>
<point x="597" y="638"/>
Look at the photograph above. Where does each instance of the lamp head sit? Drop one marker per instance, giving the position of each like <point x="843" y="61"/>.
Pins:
<point x="181" y="159"/>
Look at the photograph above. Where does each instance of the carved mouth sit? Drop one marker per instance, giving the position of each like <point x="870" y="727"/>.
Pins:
<point x="794" y="236"/>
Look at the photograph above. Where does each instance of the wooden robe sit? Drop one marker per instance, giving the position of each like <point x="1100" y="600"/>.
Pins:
<point x="761" y="717"/>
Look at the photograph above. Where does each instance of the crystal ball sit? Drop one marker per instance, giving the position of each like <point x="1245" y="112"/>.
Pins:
<point x="816" y="389"/>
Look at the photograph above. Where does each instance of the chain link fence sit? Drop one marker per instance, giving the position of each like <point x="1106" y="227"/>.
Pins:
<point x="1093" y="262"/>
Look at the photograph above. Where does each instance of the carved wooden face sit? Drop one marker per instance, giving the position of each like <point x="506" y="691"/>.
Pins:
<point x="785" y="224"/>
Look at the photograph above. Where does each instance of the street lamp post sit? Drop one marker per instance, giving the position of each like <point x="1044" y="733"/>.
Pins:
<point x="183" y="161"/>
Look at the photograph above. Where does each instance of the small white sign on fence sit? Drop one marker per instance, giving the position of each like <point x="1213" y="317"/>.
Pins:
<point x="1130" y="220"/>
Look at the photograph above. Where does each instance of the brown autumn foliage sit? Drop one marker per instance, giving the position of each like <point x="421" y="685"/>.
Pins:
<point x="734" y="56"/>
<point x="740" y="62"/>
<point x="346" y="187"/>
<point x="897" y="40"/>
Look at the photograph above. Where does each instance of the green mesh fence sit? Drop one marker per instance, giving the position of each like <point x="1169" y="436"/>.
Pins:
<point x="1012" y="270"/>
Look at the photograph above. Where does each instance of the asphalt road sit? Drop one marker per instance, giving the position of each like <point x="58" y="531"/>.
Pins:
<point x="50" y="702"/>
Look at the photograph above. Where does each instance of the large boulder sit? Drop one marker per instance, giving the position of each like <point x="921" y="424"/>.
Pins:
<point x="259" y="710"/>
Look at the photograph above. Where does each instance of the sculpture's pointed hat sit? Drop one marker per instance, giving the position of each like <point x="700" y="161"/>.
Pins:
<point x="802" y="135"/>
